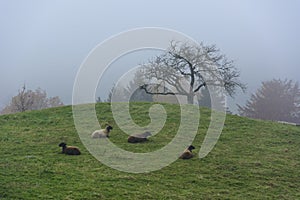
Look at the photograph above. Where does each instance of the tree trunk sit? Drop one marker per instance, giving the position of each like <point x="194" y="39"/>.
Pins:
<point x="190" y="99"/>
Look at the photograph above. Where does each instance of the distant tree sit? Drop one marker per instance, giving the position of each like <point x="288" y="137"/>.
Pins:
<point x="31" y="100"/>
<point x="275" y="100"/>
<point x="54" y="102"/>
<point x="99" y="100"/>
<point x="139" y="94"/>
<point x="228" y="111"/>
<point x="131" y="91"/>
<point x="108" y="99"/>
<point x="120" y="94"/>
<point x="199" y="65"/>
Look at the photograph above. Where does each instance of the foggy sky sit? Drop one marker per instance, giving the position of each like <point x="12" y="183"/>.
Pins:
<point x="43" y="43"/>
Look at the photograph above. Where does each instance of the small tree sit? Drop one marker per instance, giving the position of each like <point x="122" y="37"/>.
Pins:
<point x="31" y="100"/>
<point x="197" y="65"/>
<point x="99" y="100"/>
<point x="275" y="100"/>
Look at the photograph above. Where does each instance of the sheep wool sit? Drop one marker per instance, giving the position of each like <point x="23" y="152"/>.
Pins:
<point x="187" y="154"/>
<point x="139" y="137"/>
<point x="103" y="133"/>
<point x="69" y="150"/>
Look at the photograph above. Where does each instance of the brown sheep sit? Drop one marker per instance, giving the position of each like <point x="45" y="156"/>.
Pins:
<point x="139" y="137"/>
<point x="187" y="154"/>
<point x="69" y="150"/>
<point x="102" y="133"/>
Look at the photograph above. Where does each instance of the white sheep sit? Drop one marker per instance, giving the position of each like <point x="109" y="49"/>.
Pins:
<point x="102" y="133"/>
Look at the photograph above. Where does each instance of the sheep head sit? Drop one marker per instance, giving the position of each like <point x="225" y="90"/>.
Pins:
<point x="62" y="144"/>
<point x="191" y="147"/>
<point x="108" y="128"/>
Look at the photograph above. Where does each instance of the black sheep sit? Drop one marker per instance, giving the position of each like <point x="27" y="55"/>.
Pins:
<point x="187" y="154"/>
<point x="70" y="150"/>
<point x="139" y="137"/>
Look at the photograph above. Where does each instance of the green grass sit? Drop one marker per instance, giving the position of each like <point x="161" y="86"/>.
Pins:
<point x="252" y="160"/>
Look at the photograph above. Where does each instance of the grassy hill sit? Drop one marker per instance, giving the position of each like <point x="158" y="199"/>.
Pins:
<point x="252" y="160"/>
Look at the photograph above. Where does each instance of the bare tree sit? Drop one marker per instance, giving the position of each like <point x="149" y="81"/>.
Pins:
<point x="22" y="101"/>
<point x="198" y="65"/>
<point x="275" y="100"/>
<point x="31" y="100"/>
<point x="54" y="102"/>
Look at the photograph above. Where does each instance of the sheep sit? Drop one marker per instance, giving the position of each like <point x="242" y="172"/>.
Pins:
<point x="139" y="137"/>
<point x="103" y="133"/>
<point x="187" y="154"/>
<point x="70" y="150"/>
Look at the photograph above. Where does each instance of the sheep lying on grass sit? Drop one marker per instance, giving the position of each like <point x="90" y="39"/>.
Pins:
<point x="187" y="154"/>
<point x="103" y="133"/>
<point x="139" y="137"/>
<point x="70" y="150"/>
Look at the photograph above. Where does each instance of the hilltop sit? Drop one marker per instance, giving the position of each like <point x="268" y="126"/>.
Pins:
<point x="253" y="159"/>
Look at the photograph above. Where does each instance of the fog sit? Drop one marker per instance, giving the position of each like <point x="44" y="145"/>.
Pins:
<point x="43" y="43"/>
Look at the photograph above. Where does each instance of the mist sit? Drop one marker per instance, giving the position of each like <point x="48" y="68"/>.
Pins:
<point x="43" y="44"/>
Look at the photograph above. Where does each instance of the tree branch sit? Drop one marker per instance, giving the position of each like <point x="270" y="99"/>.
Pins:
<point x="144" y="87"/>
<point x="200" y="86"/>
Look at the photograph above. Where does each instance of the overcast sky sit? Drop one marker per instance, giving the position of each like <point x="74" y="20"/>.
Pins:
<point x="43" y="43"/>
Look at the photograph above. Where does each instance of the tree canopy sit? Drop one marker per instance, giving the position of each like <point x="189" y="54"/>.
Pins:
<point x="276" y="100"/>
<point x="197" y="65"/>
<point x="31" y="100"/>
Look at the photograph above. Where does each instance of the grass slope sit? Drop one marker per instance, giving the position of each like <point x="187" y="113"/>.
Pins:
<point x="252" y="160"/>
